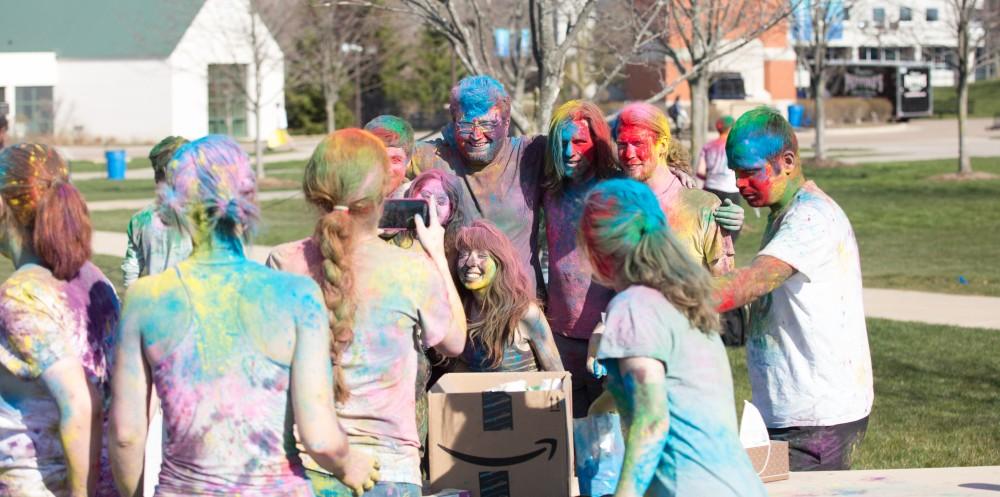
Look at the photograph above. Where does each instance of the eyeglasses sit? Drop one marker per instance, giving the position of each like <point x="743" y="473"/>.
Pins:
<point x="467" y="127"/>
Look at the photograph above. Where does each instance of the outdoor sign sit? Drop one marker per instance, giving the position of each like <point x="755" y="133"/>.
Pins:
<point x="906" y="86"/>
<point x="914" y="95"/>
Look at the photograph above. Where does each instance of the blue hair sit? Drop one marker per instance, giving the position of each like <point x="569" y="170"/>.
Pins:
<point x="759" y="136"/>
<point x="475" y="95"/>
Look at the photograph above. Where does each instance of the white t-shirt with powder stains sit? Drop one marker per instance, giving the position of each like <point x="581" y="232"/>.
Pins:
<point x="808" y="353"/>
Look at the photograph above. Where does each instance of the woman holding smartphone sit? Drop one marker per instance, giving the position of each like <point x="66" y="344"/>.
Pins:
<point x="376" y="294"/>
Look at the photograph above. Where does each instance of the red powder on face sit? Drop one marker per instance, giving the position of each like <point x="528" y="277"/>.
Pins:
<point x="637" y="151"/>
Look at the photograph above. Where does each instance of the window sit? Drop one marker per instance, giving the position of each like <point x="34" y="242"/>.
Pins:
<point x="34" y="109"/>
<point x="838" y="53"/>
<point x="907" y="54"/>
<point x="727" y="86"/>
<point x="932" y="14"/>
<point x="905" y="14"/>
<point x="227" y="102"/>
<point x="878" y="16"/>
<point x="847" y="13"/>
<point x="890" y="53"/>
<point x="869" y="53"/>
<point x="942" y="57"/>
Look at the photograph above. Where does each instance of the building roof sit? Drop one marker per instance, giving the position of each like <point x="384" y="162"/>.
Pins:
<point x="96" y="29"/>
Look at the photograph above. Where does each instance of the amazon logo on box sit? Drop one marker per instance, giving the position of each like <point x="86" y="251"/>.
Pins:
<point x="502" y="434"/>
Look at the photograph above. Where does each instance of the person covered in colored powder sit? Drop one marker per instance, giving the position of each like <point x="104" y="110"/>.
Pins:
<point x="447" y="193"/>
<point x="580" y="155"/>
<point x="667" y="368"/>
<point x="807" y="351"/>
<point x="386" y="305"/>
<point x="397" y="135"/>
<point x="714" y="171"/>
<point x="152" y="245"/>
<point x="3" y="130"/>
<point x="443" y="192"/>
<point x="507" y="330"/>
<point x="643" y="137"/>
<point x="57" y="315"/>
<point x="238" y="352"/>
<point x="502" y="175"/>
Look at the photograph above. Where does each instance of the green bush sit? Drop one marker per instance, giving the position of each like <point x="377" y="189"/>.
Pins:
<point x="849" y="110"/>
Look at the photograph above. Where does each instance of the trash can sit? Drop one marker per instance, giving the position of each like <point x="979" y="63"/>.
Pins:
<point x="116" y="164"/>
<point x="795" y="112"/>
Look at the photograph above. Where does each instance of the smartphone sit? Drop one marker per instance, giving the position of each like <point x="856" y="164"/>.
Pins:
<point x="399" y="213"/>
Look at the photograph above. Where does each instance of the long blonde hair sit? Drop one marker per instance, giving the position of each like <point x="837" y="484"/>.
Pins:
<point x="344" y="179"/>
<point x="628" y="240"/>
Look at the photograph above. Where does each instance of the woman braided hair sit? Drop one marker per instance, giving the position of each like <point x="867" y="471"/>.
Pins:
<point x="344" y="180"/>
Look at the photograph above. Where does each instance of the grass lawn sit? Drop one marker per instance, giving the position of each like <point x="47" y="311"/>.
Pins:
<point x="984" y="100"/>
<point x="86" y="166"/>
<point x="282" y="221"/>
<point x="914" y="232"/>
<point x="128" y="189"/>
<point x="932" y="409"/>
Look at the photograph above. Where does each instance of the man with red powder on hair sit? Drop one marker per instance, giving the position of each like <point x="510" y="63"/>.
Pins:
<point x="642" y="132"/>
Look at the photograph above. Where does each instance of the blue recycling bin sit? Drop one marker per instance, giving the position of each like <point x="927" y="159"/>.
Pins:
<point x="116" y="164"/>
<point x="795" y="112"/>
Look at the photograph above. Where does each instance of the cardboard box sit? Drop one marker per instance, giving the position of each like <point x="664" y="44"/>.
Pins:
<point x="501" y="443"/>
<point x="770" y="462"/>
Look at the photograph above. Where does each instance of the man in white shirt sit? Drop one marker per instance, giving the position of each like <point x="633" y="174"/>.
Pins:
<point x="807" y="353"/>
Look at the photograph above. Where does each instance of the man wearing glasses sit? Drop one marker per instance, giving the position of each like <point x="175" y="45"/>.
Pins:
<point x="502" y="175"/>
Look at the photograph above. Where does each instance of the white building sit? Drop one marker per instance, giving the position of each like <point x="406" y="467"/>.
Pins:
<point x="892" y="31"/>
<point x="137" y="70"/>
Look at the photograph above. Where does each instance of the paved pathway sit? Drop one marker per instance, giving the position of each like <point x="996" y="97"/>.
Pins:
<point x="971" y="311"/>
<point x="918" y="139"/>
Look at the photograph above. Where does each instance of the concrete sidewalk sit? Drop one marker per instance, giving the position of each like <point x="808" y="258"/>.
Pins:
<point x="968" y="311"/>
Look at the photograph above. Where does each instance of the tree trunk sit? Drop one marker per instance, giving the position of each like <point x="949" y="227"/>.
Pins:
<point x="964" y="70"/>
<point x="964" y="162"/>
<point x="330" y="101"/>
<point x="699" y="113"/>
<point x="546" y="101"/>
<point x="258" y="144"/>
<point x="819" y="99"/>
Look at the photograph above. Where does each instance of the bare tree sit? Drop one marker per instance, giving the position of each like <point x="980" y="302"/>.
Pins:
<point x="971" y="23"/>
<point x="694" y="34"/>
<point x="813" y="24"/>
<point x="547" y="34"/>
<point x="333" y="47"/>
<point x="524" y="44"/>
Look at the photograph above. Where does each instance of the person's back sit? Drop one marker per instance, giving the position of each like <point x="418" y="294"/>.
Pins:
<point x="702" y="454"/>
<point x="718" y="176"/>
<point x="43" y="320"/>
<point x="402" y="293"/>
<point x="217" y="339"/>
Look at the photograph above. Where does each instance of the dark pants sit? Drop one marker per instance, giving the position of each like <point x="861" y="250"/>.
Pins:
<point x="822" y="448"/>
<point x="735" y="197"/>
<point x="586" y="388"/>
